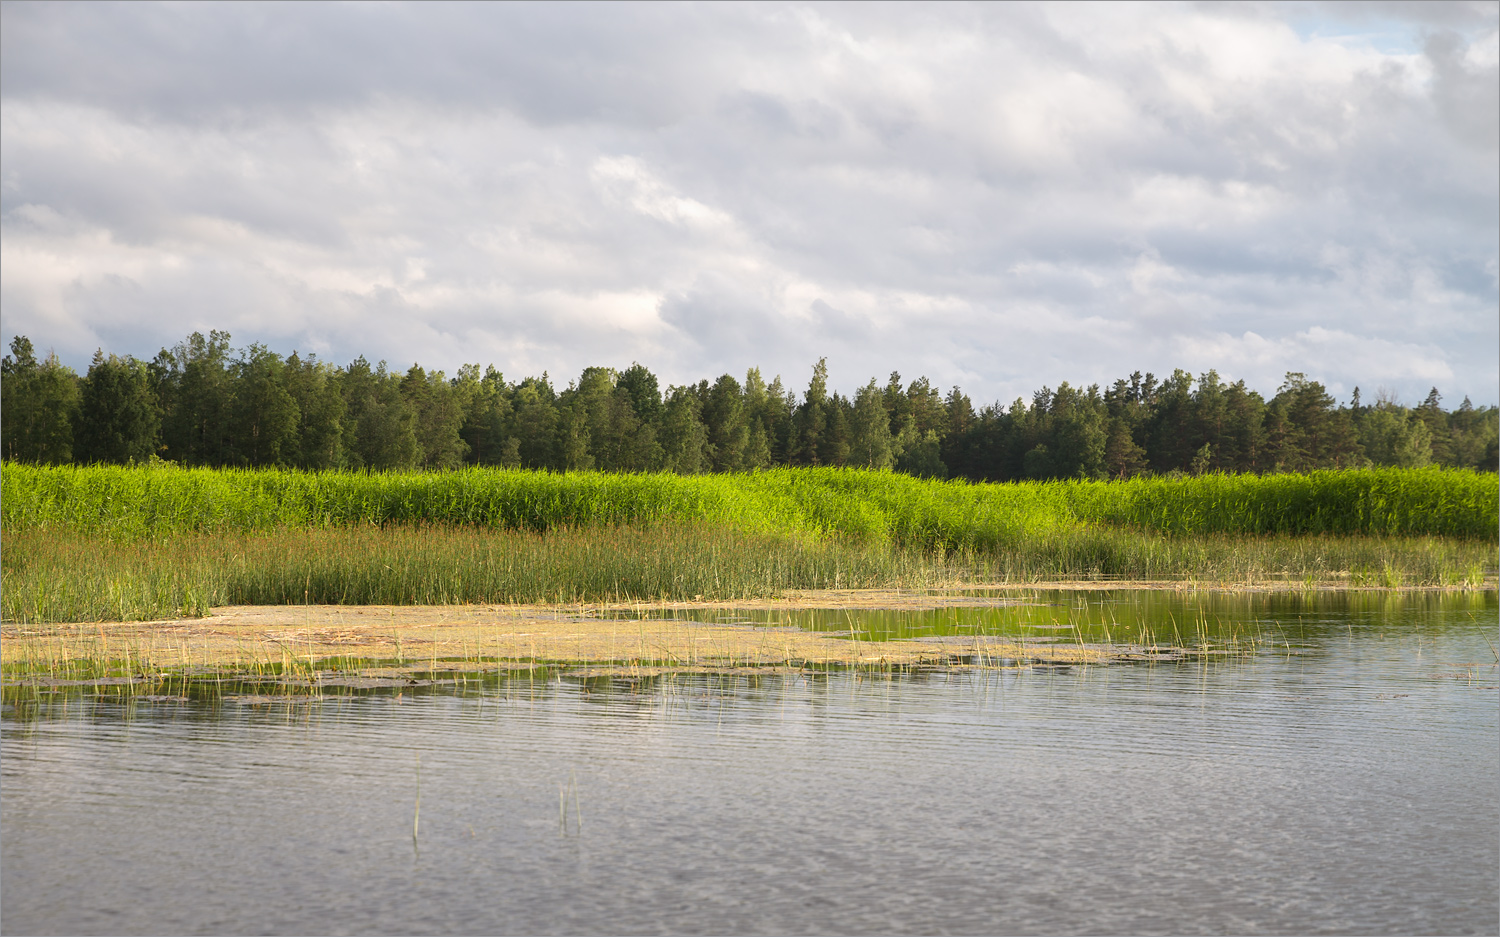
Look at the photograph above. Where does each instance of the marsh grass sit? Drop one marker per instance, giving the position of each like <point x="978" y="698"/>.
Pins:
<point x="99" y="543"/>
<point x="153" y="502"/>
<point x="61" y="575"/>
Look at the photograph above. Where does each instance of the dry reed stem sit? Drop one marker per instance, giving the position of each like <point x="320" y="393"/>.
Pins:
<point x="458" y="637"/>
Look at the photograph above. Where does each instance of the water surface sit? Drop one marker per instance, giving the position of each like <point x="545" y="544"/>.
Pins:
<point x="1338" y="773"/>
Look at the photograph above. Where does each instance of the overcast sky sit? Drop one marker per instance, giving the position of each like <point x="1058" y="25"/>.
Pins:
<point x="995" y="196"/>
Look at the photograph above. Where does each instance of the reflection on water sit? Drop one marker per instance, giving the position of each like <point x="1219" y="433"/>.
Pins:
<point x="1121" y="616"/>
<point x="1344" y="777"/>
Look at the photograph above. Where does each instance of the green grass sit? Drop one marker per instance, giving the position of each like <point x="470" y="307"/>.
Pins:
<point x="118" y="543"/>
<point x="71" y="576"/>
<point x="155" y="502"/>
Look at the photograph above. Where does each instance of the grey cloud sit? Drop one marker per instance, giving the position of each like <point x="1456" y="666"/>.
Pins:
<point x="840" y="325"/>
<point x="1449" y="13"/>
<point x="1468" y="98"/>
<point x="962" y="191"/>
<point x="189" y="62"/>
<point x="729" y="330"/>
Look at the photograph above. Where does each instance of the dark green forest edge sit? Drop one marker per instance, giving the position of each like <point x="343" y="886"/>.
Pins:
<point x="204" y="404"/>
<point x="236" y="489"/>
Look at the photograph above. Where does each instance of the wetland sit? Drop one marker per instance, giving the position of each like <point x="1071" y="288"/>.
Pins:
<point x="806" y="700"/>
<point x="1046" y="760"/>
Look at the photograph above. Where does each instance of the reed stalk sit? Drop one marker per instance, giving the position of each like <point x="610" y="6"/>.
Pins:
<point x="112" y="543"/>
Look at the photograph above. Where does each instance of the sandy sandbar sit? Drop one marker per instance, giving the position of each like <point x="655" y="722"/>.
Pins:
<point x="467" y="637"/>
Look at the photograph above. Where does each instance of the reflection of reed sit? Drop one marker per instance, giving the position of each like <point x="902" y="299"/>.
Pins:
<point x="564" y="792"/>
<point x="319" y="650"/>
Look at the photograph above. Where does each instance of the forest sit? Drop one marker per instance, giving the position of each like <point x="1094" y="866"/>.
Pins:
<point x="204" y="403"/>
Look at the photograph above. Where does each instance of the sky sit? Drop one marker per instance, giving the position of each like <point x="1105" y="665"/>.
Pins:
<point x="995" y="196"/>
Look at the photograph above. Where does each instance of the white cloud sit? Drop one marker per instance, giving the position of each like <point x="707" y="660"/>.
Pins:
<point x="997" y="196"/>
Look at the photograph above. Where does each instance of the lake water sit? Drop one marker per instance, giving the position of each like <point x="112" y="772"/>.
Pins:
<point x="1339" y="772"/>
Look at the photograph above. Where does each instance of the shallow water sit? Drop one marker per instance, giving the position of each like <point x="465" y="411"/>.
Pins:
<point x="1340" y="773"/>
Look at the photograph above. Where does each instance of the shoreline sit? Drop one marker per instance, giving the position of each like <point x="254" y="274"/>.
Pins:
<point x="393" y="642"/>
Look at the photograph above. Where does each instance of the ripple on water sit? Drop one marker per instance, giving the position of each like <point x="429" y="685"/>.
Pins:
<point x="1350" y="786"/>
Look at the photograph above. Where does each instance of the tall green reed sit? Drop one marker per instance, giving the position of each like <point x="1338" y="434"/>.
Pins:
<point x="145" y="502"/>
<point x="62" y="575"/>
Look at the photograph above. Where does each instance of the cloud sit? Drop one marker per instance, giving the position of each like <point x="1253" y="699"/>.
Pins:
<point x="999" y="197"/>
<point x="1464" y="87"/>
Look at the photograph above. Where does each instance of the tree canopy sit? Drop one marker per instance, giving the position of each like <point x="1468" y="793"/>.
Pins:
<point x="203" y="402"/>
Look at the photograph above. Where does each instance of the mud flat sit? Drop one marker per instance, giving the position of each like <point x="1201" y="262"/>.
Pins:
<point x="331" y="644"/>
<point x="476" y="637"/>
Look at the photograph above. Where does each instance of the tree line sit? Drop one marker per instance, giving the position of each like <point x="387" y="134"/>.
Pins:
<point x="205" y="403"/>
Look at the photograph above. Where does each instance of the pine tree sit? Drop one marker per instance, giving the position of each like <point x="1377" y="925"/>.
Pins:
<point x="684" y="438"/>
<point x="812" y="420"/>
<point x="726" y="425"/>
<point x="381" y="426"/>
<point x="118" y="420"/>
<point x="536" y="423"/>
<point x="314" y="388"/>
<point x="39" y="403"/>
<point x="197" y="391"/>
<point x="870" y="429"/>
<point x="264" y="418"/>
<point x="437" y="408"/>
<point x="1076" y="437"/>
<point x="487" y="416"/>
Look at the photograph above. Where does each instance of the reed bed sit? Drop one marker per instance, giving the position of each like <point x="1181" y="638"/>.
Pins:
<point x="91" y="543"/>
<point x="61" y="575"/>
<point x="155" y="502"/>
